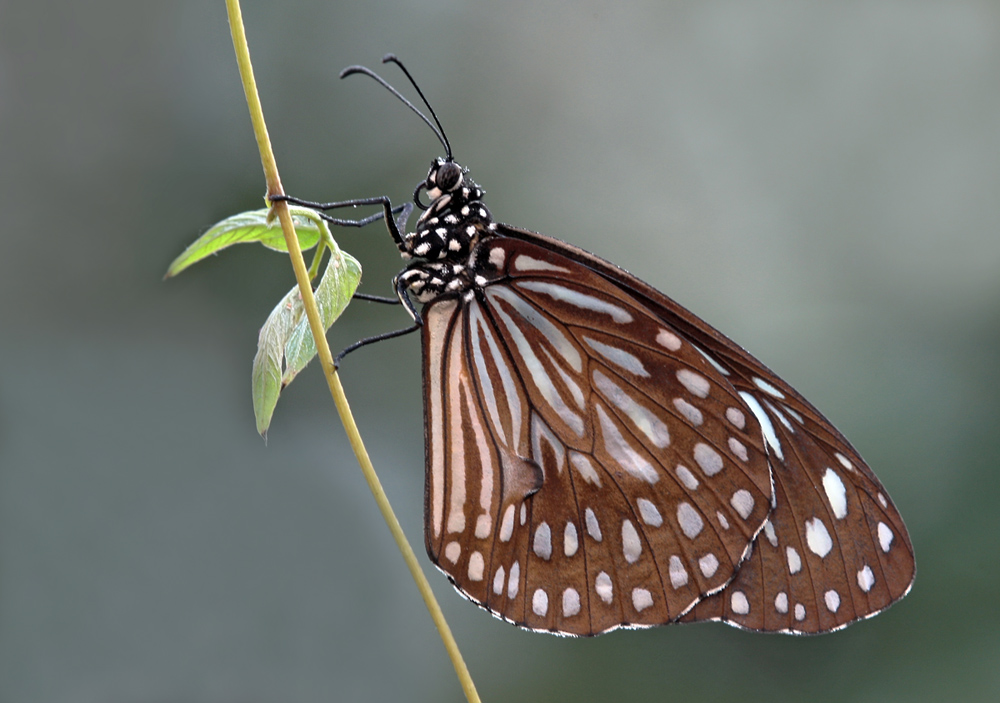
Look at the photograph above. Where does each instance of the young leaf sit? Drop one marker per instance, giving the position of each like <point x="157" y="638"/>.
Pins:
<point x="286" y="345"/>
<point x="245" y="228"/>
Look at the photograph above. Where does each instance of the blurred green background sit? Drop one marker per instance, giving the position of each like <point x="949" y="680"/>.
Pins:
<point x="821" y="180"/>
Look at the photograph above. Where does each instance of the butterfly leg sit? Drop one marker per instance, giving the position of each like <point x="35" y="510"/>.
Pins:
<point x="394" y="224"/>
<point x="376" y="299"/>
<point x="371" y="340"/>
<point x="402" y="298"/>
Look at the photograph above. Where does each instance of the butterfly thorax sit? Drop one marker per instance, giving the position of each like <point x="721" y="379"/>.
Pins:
<point x="445" y="234"/>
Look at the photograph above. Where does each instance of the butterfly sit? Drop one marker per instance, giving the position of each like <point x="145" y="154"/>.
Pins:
<point x="598" y="457"/>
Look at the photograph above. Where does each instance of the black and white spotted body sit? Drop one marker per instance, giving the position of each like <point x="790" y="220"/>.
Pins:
<point x="445" y="235"/>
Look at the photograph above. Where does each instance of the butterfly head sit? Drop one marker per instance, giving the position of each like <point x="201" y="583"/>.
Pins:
<point x="454" y="220"/>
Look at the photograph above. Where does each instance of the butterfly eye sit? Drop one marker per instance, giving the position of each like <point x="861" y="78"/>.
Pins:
<point x="449" y="176"/>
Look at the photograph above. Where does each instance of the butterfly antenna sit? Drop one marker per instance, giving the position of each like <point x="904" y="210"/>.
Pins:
<point x="438" y="129"/>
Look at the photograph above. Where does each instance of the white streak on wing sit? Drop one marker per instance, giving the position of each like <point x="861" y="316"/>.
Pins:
<point x="482" y="331"/>
<point x="540" y="431"/>
<point x="627" y="457"/>
<point x="528" y="263"/>
<point x="644" y="420"/>
<point x="456" y="437"/>
<point x="559" y="341"/>
<point x="582" y="464"/>
<point x="768" y="388"/>
<point x="485" y="454"/>
<point x="718" y="367"/>
<point x="618" y="357"/>
<point x="572" y="385"/>
<point x="580" y="300"/>
<point x="765" y="423"/>
<point x="437" y="319"/>
<point x="507" y="524"/>
<point x="539" y="375"/>
<point x="781" y="418"/>
<point x="795" y="415"/>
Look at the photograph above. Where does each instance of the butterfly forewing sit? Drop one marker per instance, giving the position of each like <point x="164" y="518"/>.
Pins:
<point x="637" y="480"/>
<point x="835" y="549"/>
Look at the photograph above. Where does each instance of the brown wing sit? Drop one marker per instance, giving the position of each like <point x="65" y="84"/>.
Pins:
<point x="835" y="549"/>
<point x="587" y="468"/>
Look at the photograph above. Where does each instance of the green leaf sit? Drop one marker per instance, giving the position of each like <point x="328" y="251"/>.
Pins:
<point x="246" y="228"/>
<point x="286" y="345"/>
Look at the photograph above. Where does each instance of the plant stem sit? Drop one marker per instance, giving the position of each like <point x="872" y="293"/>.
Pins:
<point x="323" y="350"/>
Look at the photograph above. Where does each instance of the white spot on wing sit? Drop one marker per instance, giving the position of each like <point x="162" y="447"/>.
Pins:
<point x="690" y="412"/>
<point x="708" y="459"/>
<point x="631" y="546"/>
<point x="497" y="257"/>
<point x="800" y="612"/>
<point x="514" y="580"/>
<point x="844" y="461"/>
<point x="570" y="602"/>
<point x="737" y="448"/>
<point x="769" y="532"/>
<point x="540" y="603"/>
<point x="452" y="551"/>
<point x="570" y="540"/>
<point x="794" y="560"/>
<point x="835" y="493"/>
<point x="686" y="477"/>
<point x="818" y="538"/>
<point x="543" y="541"/>
<point x="739" y="603"/>
<point x="498" y="581"/>
<point x="641" y="599"/>
<point x="884" y="537"/>
<point x="593" y="527"/>
<point x="669" y="340"/>
<point x="742" y="503"/>
<point x="708" y="564"/>
<point x="650" y="515"/>
<point x="476" y="566"/>
<point x="866" y="579"/>
<point x="781" y="602"/>
<point x="832" y="599"/>
<point x="736" y="417"/>
<point x="696" y="384"/>
<point x="689" y="520"/>
<point x="678" y="574"/>
<point x="604" y="587"/>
